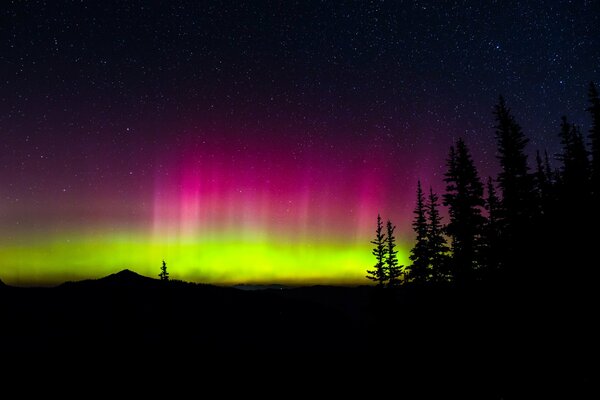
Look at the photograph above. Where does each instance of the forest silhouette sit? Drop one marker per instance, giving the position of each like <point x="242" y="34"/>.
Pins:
<point x="532" y="225"/>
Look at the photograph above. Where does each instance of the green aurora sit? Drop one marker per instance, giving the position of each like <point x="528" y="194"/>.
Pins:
<point x="52" y="259"/>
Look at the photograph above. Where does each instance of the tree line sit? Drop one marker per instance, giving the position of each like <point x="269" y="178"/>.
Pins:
<point x="529" y="223"/>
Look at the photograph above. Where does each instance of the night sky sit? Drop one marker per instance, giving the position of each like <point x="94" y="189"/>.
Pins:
<point x="258" y="142"/>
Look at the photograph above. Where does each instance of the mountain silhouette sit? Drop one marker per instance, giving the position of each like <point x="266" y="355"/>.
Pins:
<point x="124" y="278"/>
<point x="127" y="277"/>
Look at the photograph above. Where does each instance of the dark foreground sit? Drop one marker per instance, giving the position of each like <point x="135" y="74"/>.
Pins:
<point x="494" y="336"/>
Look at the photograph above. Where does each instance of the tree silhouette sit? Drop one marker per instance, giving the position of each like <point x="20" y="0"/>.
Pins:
<point x="164" y="275"/>
<point x="575" y="164"/>
<point x="437" y="248"/>
<point x="541" y="182"/>
<point x="576" y="212"/>
<point x="378" y="274"/>
<point x="594" y="110"/>
<point x="464" y="198"/>
<point x="514" y="179"/>
<point x="581" y="163"/>
<point x="579" y="184"/>
<point x="545" y="184"/>
<point x="519" y="213"/>
<point x="393" y="270"/>
<point x="419" y="254"/>
<point x="492" y="230"/>
<point x="492" y="204"/>
<point x="574" y="189"/>
<point x="515" y="240"/>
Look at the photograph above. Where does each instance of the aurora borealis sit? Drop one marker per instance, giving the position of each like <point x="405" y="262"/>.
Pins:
<point x="216" y="216"/>
<point x="248" y="143"/>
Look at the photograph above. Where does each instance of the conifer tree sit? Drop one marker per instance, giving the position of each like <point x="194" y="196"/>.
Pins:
<point x="581" y="163"/>
<point x="514" y="179"/>
<point x="393" y="270"/>
<point x="164" y="275"/>
<point x="378" y="274"/>
<point x="518" y="207"/>
<point x="575" y="164"/>
<point x="541" y="182"/>
<point x="437" y="248"/>
<point x="492" y="204"/>
<point x="492" y="230"/>
<point x="419" y="254"/>
<point x="464" y="198"/>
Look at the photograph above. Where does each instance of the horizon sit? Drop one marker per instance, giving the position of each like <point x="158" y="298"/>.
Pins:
<point x="250" y="285"/>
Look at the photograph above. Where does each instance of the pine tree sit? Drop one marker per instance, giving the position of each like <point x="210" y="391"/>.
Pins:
<point x="581" y="163"/>
<point x="393" y="270"/>
<point x="450" y="176"/>
<point x="545" y="183"/>
<point x="575" y="213"/>
<point x="492" y="230"/>
<point x="594" y="110"/>
<point x="580" y="152"/>
<point x="552" y="178"/>
<point x="514" y="179"/>
<point x="541" y="181"/>
<point x="419" y="254"/>
<point x="164" y="275"/>
<point x="518" y="206"/>
<point x="464" y="197"/>
<point x="378" y="274"/>
<point x="437" y="248"/>
<point x="575" y="163"/>
<point x="492" y="204"/>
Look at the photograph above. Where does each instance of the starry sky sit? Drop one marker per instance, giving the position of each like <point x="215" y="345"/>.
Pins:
<point x="255" y="142"/>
